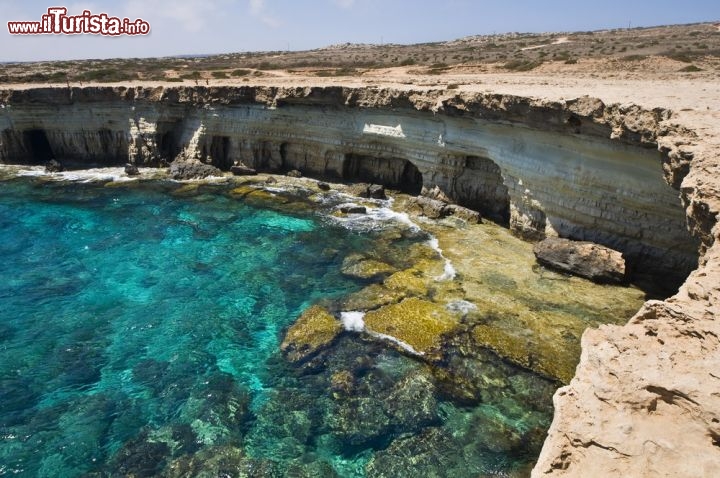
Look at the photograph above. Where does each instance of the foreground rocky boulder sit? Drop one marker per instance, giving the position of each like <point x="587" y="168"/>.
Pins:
<point x="181" y="170"/>
<point x="585" y="259"/>
<point x="438" y="209"/>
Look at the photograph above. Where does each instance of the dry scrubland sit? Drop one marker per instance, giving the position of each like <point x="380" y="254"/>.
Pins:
<point x="678" y="51"/>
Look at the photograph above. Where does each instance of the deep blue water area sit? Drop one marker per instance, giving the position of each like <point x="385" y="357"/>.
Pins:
<point x="140" y="332"/>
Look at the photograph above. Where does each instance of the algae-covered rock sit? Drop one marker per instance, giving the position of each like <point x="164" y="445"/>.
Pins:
<point x="314" y="330"/>
<point x="372" y="297"/>
<point x="361" y="267"/>
<point x="433" y="452"/>
<point x="410" y="281"/>
<point x="540" y="357"/>
<point x="416" y="322"/>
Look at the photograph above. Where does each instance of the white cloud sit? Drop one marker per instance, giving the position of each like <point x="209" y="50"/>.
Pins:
<point x="258" y="10"/>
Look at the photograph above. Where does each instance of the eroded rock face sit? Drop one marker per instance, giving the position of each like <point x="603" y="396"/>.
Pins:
<point x="644" y="398"/>
<point x="192" y="170"/>
<point x="513" y="159"/>
<point x="585" y="259"/>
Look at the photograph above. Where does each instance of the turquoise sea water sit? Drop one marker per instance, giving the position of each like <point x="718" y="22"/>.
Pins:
<point x="139" y="335"/>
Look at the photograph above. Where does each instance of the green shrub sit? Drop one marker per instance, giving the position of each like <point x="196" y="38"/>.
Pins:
<point x="522" y="65"/>
<point x="240" y="72"/>
<point x="679" y="56"/>
<point x="634" y="58"/>
<point x="690" y="69"/>
<point x="106" y="75"/>
<point x="220" y="75"/>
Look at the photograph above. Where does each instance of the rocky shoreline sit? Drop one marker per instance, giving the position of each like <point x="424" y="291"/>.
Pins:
<point x="641" y="402"/>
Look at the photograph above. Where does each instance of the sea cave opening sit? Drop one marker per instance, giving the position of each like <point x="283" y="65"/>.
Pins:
<point x="396" y="173"/>
<point x="38" y="146"/>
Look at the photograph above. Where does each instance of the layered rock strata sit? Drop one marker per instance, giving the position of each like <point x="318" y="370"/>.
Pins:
<point x="546" y="168"/>
<point x="644" y="399"/>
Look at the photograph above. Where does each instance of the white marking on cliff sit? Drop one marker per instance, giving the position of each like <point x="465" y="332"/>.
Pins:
<point x="353" y="320"/>
<point x="382" y="130"/>
<point x="441" y="141"/>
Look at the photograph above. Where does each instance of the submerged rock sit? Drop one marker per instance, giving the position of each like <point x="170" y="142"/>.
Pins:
<point x="181" y="170"/>
<point x="140" y="457"/>
<point x="418" y="323"/>
<point x="586" y="259"/>
<point x="219" y="461"/>
<point x="361" y="267"/>
<point x="314" y="330"/>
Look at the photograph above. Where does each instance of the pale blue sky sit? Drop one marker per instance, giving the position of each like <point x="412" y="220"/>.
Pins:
<point x="220" y="26"/>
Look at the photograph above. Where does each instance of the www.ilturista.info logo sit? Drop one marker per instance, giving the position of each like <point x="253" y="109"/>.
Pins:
<point x="57" y="21"/>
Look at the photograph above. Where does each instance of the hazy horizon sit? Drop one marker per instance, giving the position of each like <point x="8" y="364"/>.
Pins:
<point x="213" y="27"/>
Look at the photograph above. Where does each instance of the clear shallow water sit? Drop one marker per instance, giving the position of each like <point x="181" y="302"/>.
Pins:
<point x="139" y="334"/>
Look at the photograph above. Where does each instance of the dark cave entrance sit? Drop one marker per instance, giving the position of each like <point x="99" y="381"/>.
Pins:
<point x="37" y="145"/>
<point x="219" y="152"/>
<point x="167" y="139"/>
<point x="395" y="173"/>
<point x="481" y="187"/>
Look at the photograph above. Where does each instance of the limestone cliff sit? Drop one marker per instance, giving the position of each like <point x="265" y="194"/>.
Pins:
<point x="577" y="168"/>
<point x="644" y="400"/>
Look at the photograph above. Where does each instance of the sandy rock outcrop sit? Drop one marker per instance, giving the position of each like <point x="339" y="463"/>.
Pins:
<point x="585" y="259"/>
<point x="644" y="401"/>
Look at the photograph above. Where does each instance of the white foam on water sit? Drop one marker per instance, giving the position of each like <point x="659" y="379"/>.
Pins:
<point x="449" y="271"/>
<point x="80" y="175"/>
<point x="462" y="306"/>
<point x="353" y="320"/>
<point x="376" y="218"/>
<point x="404" y="345"/>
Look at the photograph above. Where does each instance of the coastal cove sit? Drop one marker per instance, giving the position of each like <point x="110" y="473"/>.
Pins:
<point x="143" y="325"/>
<point x="447" y="311"/>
